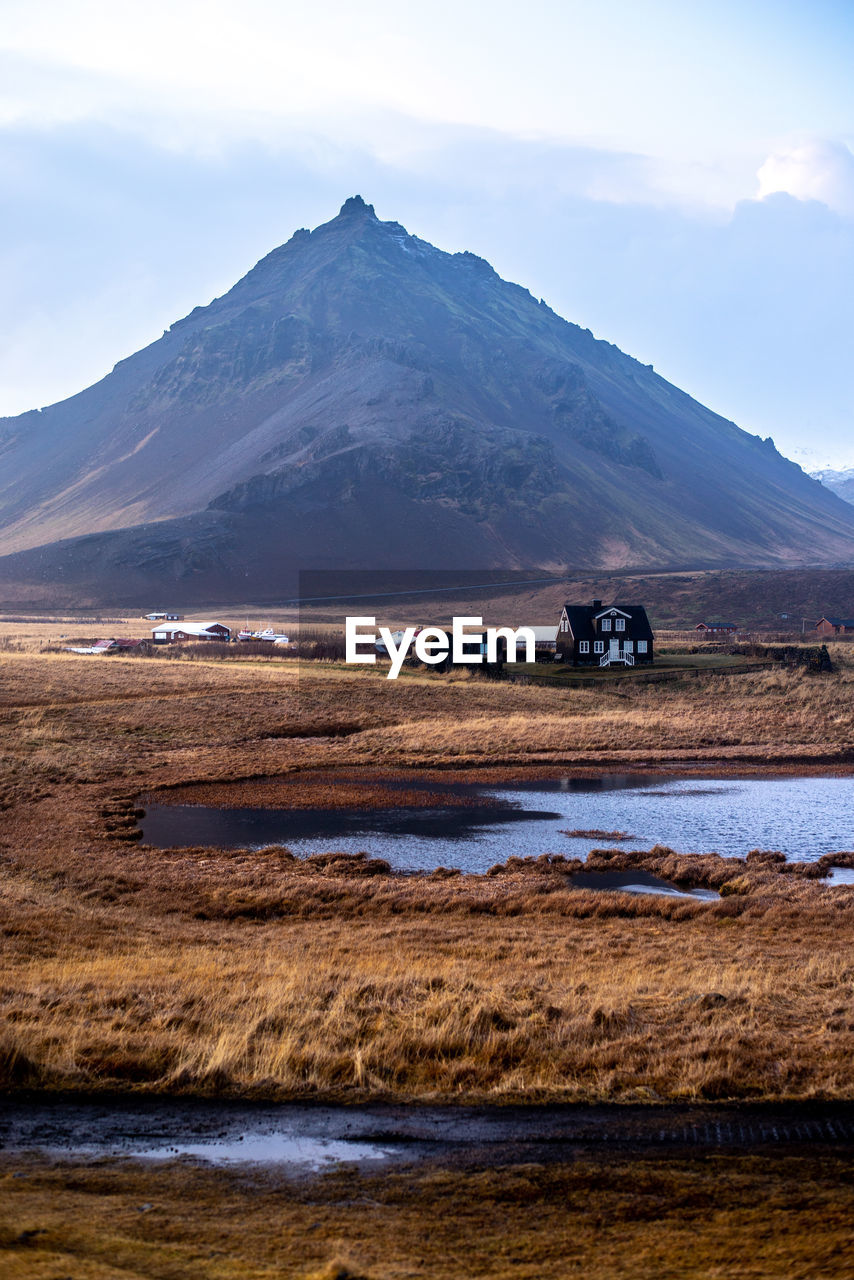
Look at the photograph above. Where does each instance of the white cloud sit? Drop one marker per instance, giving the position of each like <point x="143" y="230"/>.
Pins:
<point x="622" y="78"/>
<point x="814" y="169"/>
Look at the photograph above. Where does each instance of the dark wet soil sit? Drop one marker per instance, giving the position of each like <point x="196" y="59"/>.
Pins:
<point x="312" y="1136"/>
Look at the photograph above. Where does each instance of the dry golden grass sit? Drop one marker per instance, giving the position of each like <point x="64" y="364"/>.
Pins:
<point x="248" y="972"/>
<point x="631" y="1217"/>
<point x="251" y="974"/>
<point x="609" y="1007"/>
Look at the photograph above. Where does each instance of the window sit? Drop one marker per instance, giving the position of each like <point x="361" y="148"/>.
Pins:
<point x="627" y="646"/>
<point x="598" y="646"/>
<point x="584" y="646"/>
<point x="620" y="624"/>
<point x="564" y="624"/>
<point x="606" y="624"/>
<point x="641" y="646"/>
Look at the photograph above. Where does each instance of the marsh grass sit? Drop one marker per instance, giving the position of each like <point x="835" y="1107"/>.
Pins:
<point x="628" y="1217"/>
<point x="249" y="972"/>
<point x="293" y="980"/>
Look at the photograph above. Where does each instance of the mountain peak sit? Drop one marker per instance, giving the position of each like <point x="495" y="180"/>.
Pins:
<point x="359" y="379"/>
<point x="355" y="207"/>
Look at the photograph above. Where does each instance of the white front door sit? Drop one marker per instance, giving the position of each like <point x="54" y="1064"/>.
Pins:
<point x="615" y="649"/>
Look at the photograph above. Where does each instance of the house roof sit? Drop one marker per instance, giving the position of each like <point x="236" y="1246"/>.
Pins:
<point x="581" y="618"/>
<point x="191" y="628"/>
<point x="718" y="626"/>
<point x="838" y="622"/>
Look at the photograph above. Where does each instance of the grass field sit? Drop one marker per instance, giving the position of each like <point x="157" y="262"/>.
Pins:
<point x="630" y="1217"/>
<point x="203" y="969"/>
<point x="252" y="974"/>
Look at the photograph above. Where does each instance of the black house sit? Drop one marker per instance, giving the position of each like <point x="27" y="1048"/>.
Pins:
<point x="598" y="635"/>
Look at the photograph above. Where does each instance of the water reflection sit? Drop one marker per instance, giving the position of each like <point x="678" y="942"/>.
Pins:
<point x="804" y="818"/>
<point x="276" y="1147"/>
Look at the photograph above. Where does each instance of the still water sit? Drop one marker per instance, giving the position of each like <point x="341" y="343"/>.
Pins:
<point x="802" y="817"/>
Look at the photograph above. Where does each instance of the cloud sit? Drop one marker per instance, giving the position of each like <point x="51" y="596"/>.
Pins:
<point x="814" y="169"/>
<point x="202" y="75"/>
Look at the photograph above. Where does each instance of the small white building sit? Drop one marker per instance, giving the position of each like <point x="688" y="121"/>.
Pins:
<point x="191" y="631"/>
<point x="546" y="641"/>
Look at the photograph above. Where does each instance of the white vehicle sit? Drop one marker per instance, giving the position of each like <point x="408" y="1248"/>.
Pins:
<point x="277" y="637"/>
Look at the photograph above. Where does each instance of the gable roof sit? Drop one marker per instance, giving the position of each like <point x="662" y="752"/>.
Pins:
<point x="838" y="622"/>
<point x="581" y="620"/>
<point x="190" y="628"/>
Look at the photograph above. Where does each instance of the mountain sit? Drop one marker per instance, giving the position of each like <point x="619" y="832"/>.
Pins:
<point x="839" y="482"/>
<point x="363" y="399"/>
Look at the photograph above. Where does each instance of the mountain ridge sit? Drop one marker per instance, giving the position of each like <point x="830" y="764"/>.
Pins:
<point x="359" y="380"/>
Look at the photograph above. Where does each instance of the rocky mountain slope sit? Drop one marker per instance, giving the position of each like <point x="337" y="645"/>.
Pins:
<point x="362" y="398"/>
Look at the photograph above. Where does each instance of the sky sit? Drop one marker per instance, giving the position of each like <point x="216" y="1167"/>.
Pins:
<point x="676" y="175"/>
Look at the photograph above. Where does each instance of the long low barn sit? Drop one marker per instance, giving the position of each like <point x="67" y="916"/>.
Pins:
<point x="835" y="626"/>
<point x="191" y="631"/>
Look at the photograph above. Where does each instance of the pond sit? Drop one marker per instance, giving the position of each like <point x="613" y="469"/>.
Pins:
<point x="803" y="818"/>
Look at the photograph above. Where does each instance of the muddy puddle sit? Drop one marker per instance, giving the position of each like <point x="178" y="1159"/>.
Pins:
<point x="314" y="1138"/>
<point x="213" y="1133"/>
<point x="638" y="882"/>
<point x="480" y="825"/>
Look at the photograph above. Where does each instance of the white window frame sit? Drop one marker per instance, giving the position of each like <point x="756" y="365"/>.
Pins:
<point x="627" y="646"/>
<point x="584" y="646"/>
<point x="619" y="624"/>
<point x="606" y="624"/>
<point x="598" y="646"/>
<point x="641" y="646"/>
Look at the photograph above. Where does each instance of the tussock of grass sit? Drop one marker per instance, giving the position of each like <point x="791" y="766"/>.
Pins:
<point x="594" y="833"/>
